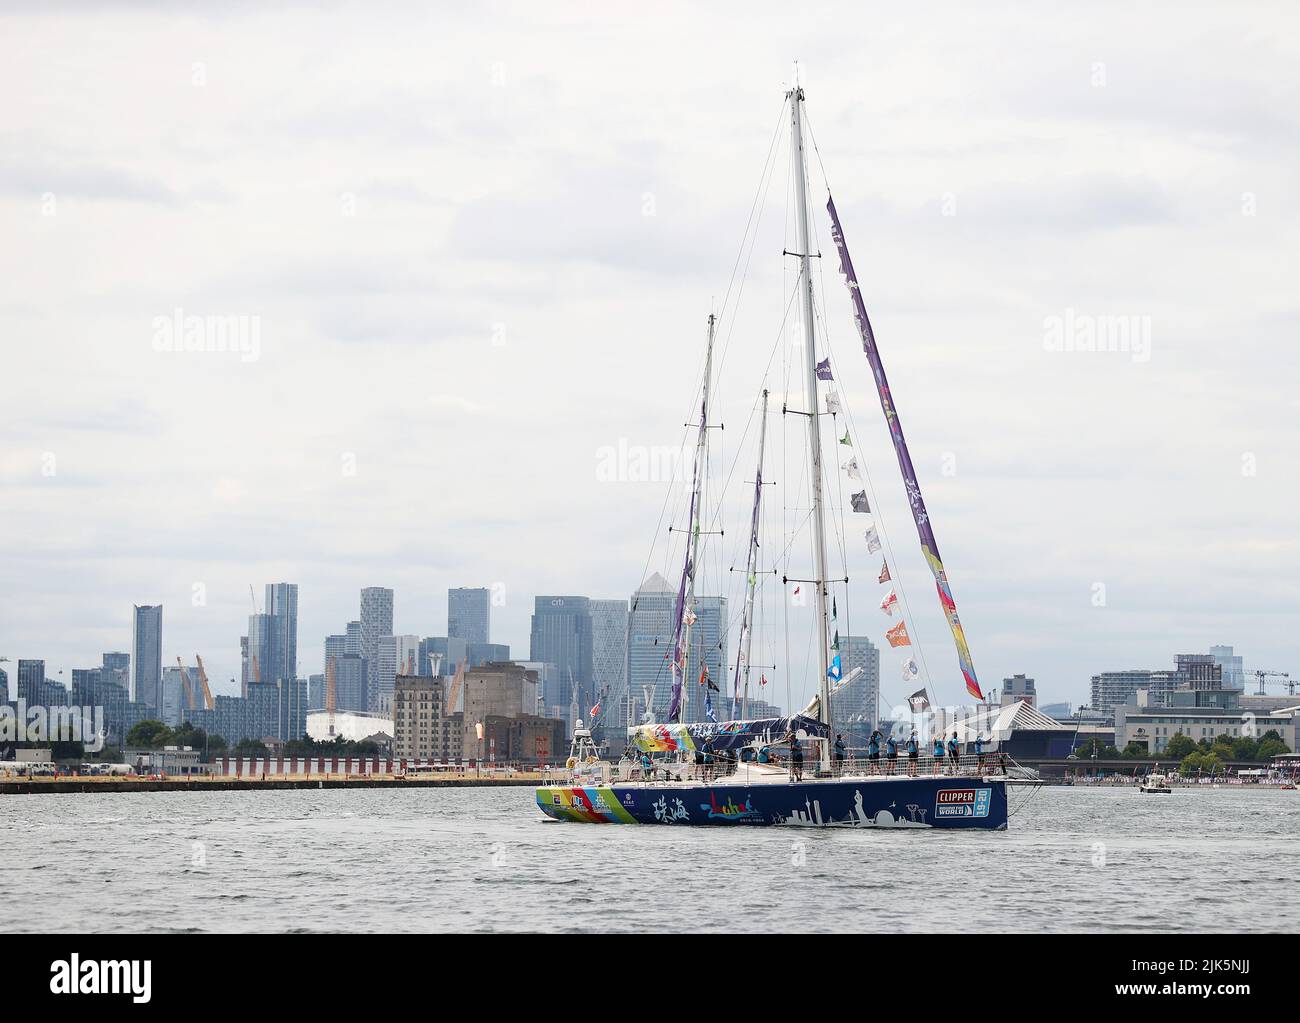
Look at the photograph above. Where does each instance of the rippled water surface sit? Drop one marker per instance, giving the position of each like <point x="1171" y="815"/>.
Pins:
<point x="483" y="860"/>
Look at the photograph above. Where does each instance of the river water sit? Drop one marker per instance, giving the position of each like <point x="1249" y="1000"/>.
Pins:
<point x="1074" y="859"/>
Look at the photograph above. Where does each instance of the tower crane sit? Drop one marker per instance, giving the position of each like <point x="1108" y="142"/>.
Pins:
<point x="186" y="686"/>
<point x="457" y="681"/>
<point x="203" y="683"/>
<point x="1262" y="674"/>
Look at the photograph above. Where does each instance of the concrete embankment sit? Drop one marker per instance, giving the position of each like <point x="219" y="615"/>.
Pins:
<point x="73" y="783"/>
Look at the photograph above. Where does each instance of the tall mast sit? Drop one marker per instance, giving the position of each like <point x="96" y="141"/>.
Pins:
<point x="697" y="506"/>
<point x="751" y="574"/>
<point x="814" y="425"/>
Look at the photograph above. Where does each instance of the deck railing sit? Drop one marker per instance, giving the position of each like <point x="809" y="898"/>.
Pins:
<point x="720" y="768"/>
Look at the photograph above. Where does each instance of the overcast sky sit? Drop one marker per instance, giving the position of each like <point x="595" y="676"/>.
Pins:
<point x="480" y="242"/>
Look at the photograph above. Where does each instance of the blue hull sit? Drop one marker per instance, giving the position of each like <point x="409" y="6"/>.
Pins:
<point x="933" y="802"/>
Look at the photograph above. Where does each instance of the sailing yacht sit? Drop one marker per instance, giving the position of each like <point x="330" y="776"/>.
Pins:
<point x="786" y="770"/>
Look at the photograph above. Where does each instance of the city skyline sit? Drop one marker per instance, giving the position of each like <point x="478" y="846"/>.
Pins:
<point x="890" y="692"/>
<point x="1096" y="510"/>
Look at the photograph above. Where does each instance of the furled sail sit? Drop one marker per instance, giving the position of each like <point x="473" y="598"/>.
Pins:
<point x="928" y="545"/>
<point x="726" y="735"/>
<point x="681" y="636"/>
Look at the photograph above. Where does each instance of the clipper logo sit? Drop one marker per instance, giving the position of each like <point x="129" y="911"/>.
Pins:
<point x="102" y="977"/>
<point x="963" y="802"/>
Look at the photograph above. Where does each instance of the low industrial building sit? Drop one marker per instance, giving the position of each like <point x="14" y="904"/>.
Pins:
<point x="173" y="761"/>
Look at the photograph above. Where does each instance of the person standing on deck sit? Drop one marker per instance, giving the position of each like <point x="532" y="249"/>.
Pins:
<point x="954" y="751"/>
<point x="873" y="751"/>
<point x="796" y="758"/>
<point x="891" y="752"/>
<point x="912" y="752"/>
<point x="938" y="753"/>
<point x="840" y="753"/>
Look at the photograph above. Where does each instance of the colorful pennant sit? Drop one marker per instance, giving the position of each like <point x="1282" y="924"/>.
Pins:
<point x="898" y="636"/>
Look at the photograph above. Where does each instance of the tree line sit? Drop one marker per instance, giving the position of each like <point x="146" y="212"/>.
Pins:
<point x="155" y="735"/>
<point x="1208" y="755"/>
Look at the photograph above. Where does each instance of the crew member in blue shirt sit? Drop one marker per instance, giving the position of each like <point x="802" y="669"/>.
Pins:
<point x="912" y="751"/>
<point x="891" y="751"/>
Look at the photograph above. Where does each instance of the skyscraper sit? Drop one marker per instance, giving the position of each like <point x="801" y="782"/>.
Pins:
<point x="561" y="636"/>
<point x="609" y="668"/>
<point x="450" y="653"/>
<point x="282" y="609"/>
<point x="146" y="655"/>
<point x="1234" y="677"/>
<point x="116" y="667"/>
<point x="376" y="621"/>
<point x="31" y="677"/>
<point x="650" y="638"/>
<point x="650" y="635"/>
<point x="469" y="615"/>
<point x="855" y="706"/>
<point x="335" y="646"/>
<point x="397" y="654"/>
<point x="351" y="679"/>
<point x="259" y="651"/>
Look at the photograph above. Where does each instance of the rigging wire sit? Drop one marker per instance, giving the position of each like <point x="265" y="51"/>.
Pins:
<point x="756" y="207"/>
<point x="854" y="436"/>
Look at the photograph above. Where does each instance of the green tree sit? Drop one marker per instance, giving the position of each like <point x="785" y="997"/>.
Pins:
<point x="250" y="748"/>
<point x="1191" y="763"/>
<point x="149" y="734"/>
<point x="1135" y="750"/>
<point x="1269" y="748"/>
<point x="1179" y="746"/>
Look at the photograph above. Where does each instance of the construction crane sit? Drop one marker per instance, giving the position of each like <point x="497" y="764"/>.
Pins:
<point x="203" y="683"/>
<point x="457" y="681"/>
<point x="1262" y="674"/>
<point x="186" y="685"/>
<point x="329" y="692"/>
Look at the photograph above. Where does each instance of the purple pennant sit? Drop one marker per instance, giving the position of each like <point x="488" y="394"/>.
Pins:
<point x="824" y="369"/>
<point x="919" y="513"/>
